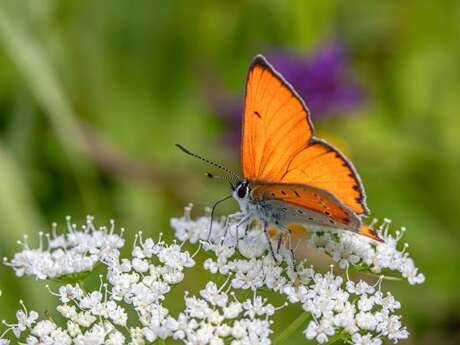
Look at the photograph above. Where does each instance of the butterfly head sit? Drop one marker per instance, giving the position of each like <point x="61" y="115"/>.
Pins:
<point x="241" y="189"/>
<point x="240" y="193"/>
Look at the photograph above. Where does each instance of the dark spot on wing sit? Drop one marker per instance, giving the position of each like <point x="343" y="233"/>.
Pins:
<point x="273" y="194"/>
<point x="331" y="221"/>
<point x="283" y="192"/>
<point x="257" y="114"/>
<point x="300" y="211"/>
<point x="310" y="218"/>
<point x="297" y="194"/>
<point x="358" y="199"/>
<point x="355" y="187"/>
<point x="327" y="213"/>
<point x="344" y="164"/>
<point x="350" y="175"/>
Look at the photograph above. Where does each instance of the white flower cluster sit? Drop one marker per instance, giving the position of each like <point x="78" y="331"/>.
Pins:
<point x="100" y="317"/>
<point x="344" y="247"/>
<point x="218" y="316"/>
<point x="141" y="284"/>
<point x="337" y="305"/>
<point x="77" y="251"/>
<point x="347" y="248"/>
<point x="358" y="309"/>
<point x="92" y="319"/>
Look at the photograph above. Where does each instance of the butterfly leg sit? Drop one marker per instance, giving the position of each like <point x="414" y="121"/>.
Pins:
<point x="280" y="240"/>
<point x="281" y="237"/>
<point x="241" y="222"/>
<point x="246" y="231"/>
<point x="235" y="216"/>
<point x="269" y="242"/>
<point x="226" y="226"/>
<point x="291" y="248"/>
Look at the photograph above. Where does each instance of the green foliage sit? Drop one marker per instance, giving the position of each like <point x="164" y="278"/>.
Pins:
<point x="94" y="95"/>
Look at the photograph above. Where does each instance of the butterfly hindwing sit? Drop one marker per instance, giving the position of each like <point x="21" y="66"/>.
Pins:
<point x="310" y="204"/>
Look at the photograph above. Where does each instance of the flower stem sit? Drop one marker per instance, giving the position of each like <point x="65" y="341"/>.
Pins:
<point x="365" y="270"/>
<point x="301" y="319"/>
<point x="335" y="338"/>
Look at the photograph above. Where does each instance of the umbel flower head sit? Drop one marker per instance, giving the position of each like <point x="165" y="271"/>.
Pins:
<point x="130" y="306"/>
<point x="77" y="251"/>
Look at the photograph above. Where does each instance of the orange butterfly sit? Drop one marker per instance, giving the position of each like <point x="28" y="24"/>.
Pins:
<point x="289" y="176"/>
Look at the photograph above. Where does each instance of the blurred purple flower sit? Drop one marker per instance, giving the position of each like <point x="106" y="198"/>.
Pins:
<point x="322" y="79"/>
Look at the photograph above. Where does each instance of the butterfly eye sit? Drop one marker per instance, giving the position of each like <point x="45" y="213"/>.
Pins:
<point x="242" y="191"/>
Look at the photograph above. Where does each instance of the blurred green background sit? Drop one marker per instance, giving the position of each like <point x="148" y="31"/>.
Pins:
<point x="94" y="95"/>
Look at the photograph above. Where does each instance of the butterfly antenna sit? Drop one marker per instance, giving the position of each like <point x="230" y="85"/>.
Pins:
<point x="229" y="172"/>
<point x="225" y="178"/>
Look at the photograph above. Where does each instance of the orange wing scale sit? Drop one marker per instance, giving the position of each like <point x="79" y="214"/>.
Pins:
<point x="278" y="145"/>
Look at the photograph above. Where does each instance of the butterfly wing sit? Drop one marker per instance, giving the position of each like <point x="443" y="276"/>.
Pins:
<point x="278" y="143"/>
<point x="311" y="205"/>
<point x="303" y="204"/>
<point x="323" y="166"/>
<point x="276" y="124"/>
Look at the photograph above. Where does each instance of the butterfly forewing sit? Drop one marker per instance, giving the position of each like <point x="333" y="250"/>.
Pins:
<point x="275" y="125"/>
<point x="278" y="144"/>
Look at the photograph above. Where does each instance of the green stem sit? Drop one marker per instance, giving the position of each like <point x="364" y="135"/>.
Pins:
<point x="81" y="284"/>
<point x="365" y="270"/>
<point x="335" y="338"/>
<point x="280" y="339"/>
